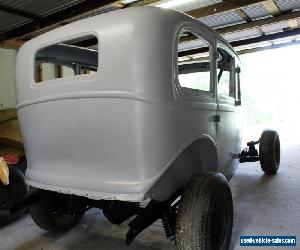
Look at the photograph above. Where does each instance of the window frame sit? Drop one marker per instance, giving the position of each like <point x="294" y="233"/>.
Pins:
<point x="188" y="94"/>
<point x="233" y="82"/>
<point x="37" y="83"/>
<point x="238" y="98"/>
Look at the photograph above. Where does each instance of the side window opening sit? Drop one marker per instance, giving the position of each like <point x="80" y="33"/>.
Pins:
<point x="237" y="84"/>
<point x="194" y="67"/>
<point x="226" y="74"/>
<point x="68" y="58"/>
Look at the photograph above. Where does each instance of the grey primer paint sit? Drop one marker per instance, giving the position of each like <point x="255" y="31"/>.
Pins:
<point x="125" y="132"/>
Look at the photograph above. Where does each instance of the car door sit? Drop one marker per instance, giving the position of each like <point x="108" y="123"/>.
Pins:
<point x="195" y="84"/>
<point x="228" y="110"/>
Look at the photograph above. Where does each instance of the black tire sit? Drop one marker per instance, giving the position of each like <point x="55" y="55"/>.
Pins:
<point x="46" y="218"/>
<point x="269" y="152"/>
<point x="205" y="214"/>
<point x="15" y="191"/>
<point x="22" y="164"/>
<point x="6" y="217"/>
<point x="11" y="194"/>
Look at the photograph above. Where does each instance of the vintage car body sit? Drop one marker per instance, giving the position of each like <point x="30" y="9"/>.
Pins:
<point x="126" y="132"/>
<point x="139" y="117"/>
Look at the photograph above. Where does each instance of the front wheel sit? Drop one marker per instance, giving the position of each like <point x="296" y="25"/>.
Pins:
<point x="205" y="215"/>
<point x="51" y="213"/>
<point x="269" y="151"/>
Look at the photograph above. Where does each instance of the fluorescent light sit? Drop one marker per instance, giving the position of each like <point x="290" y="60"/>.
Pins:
<point x="173" y="3"/>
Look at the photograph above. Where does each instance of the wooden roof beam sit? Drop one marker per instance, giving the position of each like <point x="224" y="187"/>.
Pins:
<point x="221" y="7"/>
<point x="243" y="15"/>
<point x="18" y="12"/>
<point x="272" y="46"/>
<point x="74" y="11"/>
<point x="293" y="23"/>
<point x="272" y="8"/>
<point x="259" y="39"/>
<point x="259" y="23"/>
<point x="141" y="3"/>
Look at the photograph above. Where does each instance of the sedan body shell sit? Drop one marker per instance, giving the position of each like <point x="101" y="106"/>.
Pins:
<point x="123" y="132"/>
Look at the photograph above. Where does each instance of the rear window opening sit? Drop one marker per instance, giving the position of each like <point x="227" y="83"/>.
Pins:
<point x="68" y="58"/>
<point x="194" y="64"/>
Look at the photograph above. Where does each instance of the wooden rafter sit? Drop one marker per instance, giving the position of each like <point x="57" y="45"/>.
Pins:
<point x="259" y="23"/>
<point x="77" y="10"/>
<point x="259" y="39"/>
<point x="141" y="3"/>
<point x="271" y="7"/>
<point x="272" y="46"/>
<point x="221" y="7"/>
<point x="18" y="12"/>
<point x="293" y="24"/>
<point x="63" y="16"/>
<point x="243" y="15"/>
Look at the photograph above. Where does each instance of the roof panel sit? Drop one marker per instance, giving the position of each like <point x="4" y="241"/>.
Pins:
<point x="241" y="35"/>
<point x="256" y="11"/>
<point x="287" y="4"/>
<point x="192" y="45"/>
<point x="9" y="21"/>
<point x="275" y="27"/>
<point x="222" y="19"/>
<point x="38" y="7"/>
<point x="189" y="5"/>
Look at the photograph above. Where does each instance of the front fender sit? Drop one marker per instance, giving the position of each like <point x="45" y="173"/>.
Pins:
<point x="198" y="157"/>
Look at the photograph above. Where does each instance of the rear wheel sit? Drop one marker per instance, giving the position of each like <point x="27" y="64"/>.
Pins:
<point x="269" y="151"/>
<point x="11" y="194"/>
<point x="15" y="191"/>
<point x="205" y="215"/>
<point x="51" y="213"/>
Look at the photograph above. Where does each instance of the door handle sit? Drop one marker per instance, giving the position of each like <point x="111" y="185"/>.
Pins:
<point x="216" y="118"/>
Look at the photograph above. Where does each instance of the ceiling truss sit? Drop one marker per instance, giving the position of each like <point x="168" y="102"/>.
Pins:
<point x="39" y="24"/>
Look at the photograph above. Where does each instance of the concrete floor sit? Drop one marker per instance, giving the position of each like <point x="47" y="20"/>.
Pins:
<point x="263" y="205"/>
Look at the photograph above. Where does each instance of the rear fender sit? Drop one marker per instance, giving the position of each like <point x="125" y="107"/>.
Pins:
<point x="199" y="157"/>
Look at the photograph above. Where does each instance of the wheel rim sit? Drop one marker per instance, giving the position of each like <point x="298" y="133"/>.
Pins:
<point x="219" y="223"/>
